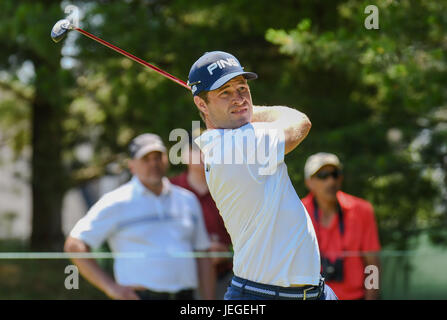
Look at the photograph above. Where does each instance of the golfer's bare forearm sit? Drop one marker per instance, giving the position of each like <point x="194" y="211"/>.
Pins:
<point x="296" y="125"/>
<point x="89" y="268"/>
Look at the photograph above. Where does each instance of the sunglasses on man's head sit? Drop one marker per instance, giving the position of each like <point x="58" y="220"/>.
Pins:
<point x="324" y="174"/>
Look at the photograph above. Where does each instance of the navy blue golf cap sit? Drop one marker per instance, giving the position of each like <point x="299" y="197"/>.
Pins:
<point x="213" y="70"/>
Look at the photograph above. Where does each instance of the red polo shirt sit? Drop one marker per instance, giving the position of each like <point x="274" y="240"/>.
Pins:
<point x="213" y="220"/>
<point x="360" y="235"/>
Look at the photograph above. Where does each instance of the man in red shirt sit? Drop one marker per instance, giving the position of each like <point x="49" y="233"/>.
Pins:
<point x="194" y="180"/>
<point x="345" y="227"/>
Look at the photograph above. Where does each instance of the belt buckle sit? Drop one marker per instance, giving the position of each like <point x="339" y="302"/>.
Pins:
<point x="305" y="292"/>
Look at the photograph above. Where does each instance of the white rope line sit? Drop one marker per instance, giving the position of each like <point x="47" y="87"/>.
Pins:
<point x="108" y="255"/>
<point x="186" y="254"/>
<point x="64" y="255"/>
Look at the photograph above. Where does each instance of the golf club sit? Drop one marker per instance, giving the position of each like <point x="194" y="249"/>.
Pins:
<point x="62" y="27"/>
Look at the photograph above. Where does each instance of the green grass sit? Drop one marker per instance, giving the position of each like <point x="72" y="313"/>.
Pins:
<point x="425" y="279"/>
<point x="39" y="278"/>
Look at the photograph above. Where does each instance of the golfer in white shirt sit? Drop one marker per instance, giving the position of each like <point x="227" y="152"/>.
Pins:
<point x="151" y="217"/>
<point x="276" y="252"/>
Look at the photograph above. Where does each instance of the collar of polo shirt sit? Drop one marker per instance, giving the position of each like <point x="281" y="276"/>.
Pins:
<point x="141" y="189"/>
<point x="208" y="139"/>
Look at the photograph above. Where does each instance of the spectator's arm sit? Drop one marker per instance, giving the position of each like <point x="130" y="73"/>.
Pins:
<point x="370" y="244"/>
<point x="372" y="294"/>
<point x="218" y="247"/>
<point x="207" y="278"/>
<point x="90" y="270"/>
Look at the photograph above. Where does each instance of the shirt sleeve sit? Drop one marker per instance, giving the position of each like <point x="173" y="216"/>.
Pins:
<point x="99" y="222"/>
<point x="269" y="148"/>
<point x="200" y="239"/>
<point x="370" y="240"/>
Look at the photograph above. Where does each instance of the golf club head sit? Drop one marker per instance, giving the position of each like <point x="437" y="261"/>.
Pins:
<point x="60" y="29"/>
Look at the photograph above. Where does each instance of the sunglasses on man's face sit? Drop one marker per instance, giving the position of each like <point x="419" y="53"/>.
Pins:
<point x="324" y="174"/>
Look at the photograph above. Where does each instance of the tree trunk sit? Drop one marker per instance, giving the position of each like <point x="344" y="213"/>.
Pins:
<point x="48" y="175"/>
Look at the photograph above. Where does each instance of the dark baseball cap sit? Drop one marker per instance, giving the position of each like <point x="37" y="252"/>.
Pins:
<point x="213" y="70"/>
<point x="145" y="143"/>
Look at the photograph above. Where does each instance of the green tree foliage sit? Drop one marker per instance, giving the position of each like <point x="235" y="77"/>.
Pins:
<point x="371" y="94"/>
<point x="101" y="100"/>
<point x="41" y="100"/>
<point x="172" y="35"/>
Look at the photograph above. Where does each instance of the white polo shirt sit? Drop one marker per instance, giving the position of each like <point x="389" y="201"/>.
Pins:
<point x="272" y="234"/>
<point x="164" y="228"/>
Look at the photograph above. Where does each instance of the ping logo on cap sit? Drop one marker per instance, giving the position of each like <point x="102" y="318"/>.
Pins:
<point x="214" y="69"/>
<point x="222" y="64"/>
